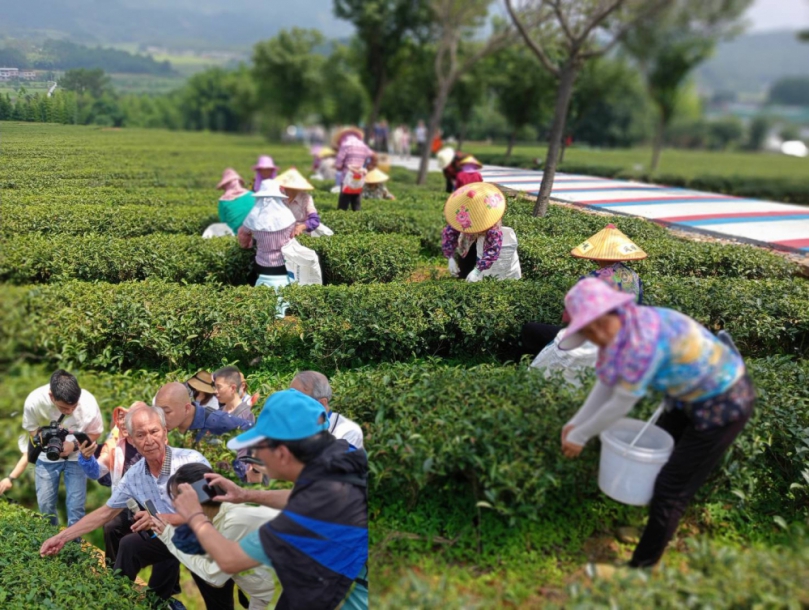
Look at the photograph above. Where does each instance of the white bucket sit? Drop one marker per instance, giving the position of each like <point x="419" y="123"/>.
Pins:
<point x="627" y="474"/>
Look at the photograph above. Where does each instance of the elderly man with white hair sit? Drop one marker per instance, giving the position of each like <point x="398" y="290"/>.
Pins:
<point x="317" y="386"/>
<point x="146" y="481"/>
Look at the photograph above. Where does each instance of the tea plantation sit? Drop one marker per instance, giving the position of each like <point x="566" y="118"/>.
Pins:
<point x="472" y="503"/>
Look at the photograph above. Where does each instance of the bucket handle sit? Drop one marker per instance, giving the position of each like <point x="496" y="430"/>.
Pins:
<point x="655" y="416"/>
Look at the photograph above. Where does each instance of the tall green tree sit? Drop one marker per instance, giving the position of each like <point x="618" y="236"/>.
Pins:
<point x="523" y="92"/>
<point x="344" y="99"/>
<point x="82" y="81"/>
<point x="565" y="35"/>
<point x="454" y="24"/>
<point x="383" y="28"/>
<point x="668" y="48"/>
<point x="288" y="73"/>
<point x="218" y="100"/>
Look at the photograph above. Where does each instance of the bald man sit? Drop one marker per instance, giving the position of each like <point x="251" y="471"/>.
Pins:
<point x="183" y="415"/>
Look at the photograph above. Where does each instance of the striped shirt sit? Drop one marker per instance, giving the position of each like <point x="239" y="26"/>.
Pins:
<point x="353" y="151"/>
<point x="140" y="484"/>
<point x="301" y="206"/>
<point x="268" y="244"/>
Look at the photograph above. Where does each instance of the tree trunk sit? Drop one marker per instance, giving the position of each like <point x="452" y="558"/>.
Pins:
<point x="566" y="79"/>
<point x="435" y="120"/>
<point x="380" y="92"/>
<point x="657" y="143"/>
<point x="562" y="152"/>
<point x="511" y="138"/>
<point x="462" y="135"/>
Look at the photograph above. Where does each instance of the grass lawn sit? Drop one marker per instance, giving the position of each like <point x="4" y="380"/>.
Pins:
<point x="688" y="163"/>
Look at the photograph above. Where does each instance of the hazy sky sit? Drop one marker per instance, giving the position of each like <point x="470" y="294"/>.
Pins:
<point x="778" y="15"/>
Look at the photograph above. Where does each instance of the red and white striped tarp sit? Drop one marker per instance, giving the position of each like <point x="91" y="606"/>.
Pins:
<point x="778" y="225"/>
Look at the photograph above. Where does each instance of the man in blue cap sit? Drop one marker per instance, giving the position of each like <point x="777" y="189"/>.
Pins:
<point x="318" y="545"/>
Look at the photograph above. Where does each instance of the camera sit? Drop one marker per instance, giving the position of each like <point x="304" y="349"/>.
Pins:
<point x="51" y="440"/>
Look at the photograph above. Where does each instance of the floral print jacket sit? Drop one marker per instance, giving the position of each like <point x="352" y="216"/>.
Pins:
<point x="453" y="240"/>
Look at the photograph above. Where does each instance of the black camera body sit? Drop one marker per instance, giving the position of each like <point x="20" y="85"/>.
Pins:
<point x="51" y="440"/>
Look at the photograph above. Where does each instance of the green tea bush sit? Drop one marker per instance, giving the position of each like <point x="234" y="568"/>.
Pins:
<point x="364" y="258"/>
<point x="542" y="257"/>
<point x="156" y="323"/>
<point x="190" y="259"/>
<point x="426" y="227"/>
<point x="74" y="578"/>
<point x="121" y="221"/>
<point x="714" y="576"/>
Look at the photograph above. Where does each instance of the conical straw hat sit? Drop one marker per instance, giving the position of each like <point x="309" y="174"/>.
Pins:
<point x="609" y="244"/>
<point x="326" y="152"/>
<point x="470" y="160"/>
<point x="475" y="207"/>
<point x="376" y="176"/>
<point x="292" y="179"/>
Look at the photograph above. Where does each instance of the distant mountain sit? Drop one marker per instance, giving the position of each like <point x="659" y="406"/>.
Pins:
<point x="751" y="63"/>
<point x="202" y="24"/>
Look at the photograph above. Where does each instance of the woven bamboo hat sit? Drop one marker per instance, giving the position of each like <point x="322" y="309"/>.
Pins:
<point x="609" y="244"/>
<point x="376" y="176"/>
<point x="292" y="179"/>
<point x="475" y="207"/>
<point x="470" y="160"/>
<point x="338" y="137"/>
<point x="326" y="152"/>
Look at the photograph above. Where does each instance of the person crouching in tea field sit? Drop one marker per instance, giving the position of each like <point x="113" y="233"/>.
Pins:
<point x="469" y="172"/>
<point x="269" y="225"/>
<point x="610" y="248"/>
<point x="299" y="201"/>
<point x="474" y="240"/>
<point x="236" y="202"/>
<point x="375" y="186"/>
<point x="709" y="396"/>
<point x="323" y="165"/>
<point x="265" y="169"/>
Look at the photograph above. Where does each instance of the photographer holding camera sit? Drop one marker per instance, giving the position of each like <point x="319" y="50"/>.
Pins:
<point x="58" y="416"/>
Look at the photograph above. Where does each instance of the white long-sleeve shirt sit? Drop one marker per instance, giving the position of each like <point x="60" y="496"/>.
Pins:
<point x="234" y="522"/>
<point x="604" y="406"/>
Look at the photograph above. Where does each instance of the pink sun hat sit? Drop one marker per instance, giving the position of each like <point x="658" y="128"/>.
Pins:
<point x="265" y="162"/>
<point x="228" y="176"/>
<point x="587" y="301"/>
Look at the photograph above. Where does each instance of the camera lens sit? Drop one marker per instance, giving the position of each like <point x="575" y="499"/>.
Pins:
<point x="54" y="448"/>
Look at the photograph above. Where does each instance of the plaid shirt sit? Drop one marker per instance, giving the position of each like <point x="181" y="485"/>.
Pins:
<point x="353" y="151"/>
<point x="139" y="483"/>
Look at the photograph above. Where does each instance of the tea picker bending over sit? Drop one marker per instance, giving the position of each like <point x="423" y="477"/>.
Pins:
<point x="708" y="393"/>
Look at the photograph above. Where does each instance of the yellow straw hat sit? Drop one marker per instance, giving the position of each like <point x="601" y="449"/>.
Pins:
<point x="376" y="176"/>
<point x="475" y="207"/>
<point x="326" y="152"/>
<point x="609" y="244"/>
<point x="342" y="133"/>
<point x="292" y="179"/>
<point x="470" y="160"/>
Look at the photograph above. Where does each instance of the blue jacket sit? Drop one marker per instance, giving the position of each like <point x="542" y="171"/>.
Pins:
<point x="318" y="545"/>
<point x="212" y="422"/>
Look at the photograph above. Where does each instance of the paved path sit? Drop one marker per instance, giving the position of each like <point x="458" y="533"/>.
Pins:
<point x="778" y="225"/>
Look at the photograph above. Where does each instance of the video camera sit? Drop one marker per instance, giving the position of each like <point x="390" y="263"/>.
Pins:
<point x="51" y="439"/>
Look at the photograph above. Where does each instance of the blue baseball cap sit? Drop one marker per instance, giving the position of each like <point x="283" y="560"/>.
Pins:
<point x="288" y="415"/>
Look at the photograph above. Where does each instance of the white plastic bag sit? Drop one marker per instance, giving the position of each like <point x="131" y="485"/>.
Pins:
<point x="321" y="231"/>
<point x="217" y="229"/>
<point x="302" y="263"/>
<point x="570" y="362"/>
<point x="507" y="266"/>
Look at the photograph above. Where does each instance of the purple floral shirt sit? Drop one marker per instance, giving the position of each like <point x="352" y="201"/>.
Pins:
<point x="492" y="242"/>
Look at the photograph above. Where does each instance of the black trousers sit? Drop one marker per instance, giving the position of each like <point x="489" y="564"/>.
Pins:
<point x="535" y="336"/>
<point x="695" y="456"/>
<point x="135" y="553"/>
<point x="114" y="530"/>
<point x="450" y="183"/>
<point x="344" y="200"/>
